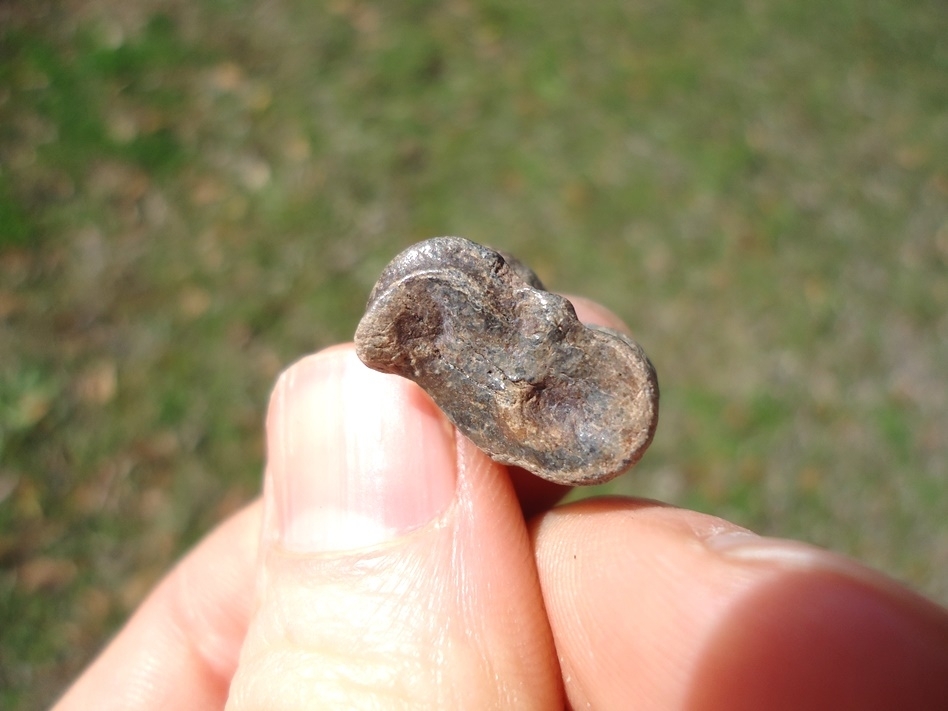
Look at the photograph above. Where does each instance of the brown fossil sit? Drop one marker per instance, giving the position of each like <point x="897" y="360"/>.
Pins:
<point x="509" y="363"/>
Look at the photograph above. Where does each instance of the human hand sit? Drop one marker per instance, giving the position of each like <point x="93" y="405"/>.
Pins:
<point x="389" y="565"/>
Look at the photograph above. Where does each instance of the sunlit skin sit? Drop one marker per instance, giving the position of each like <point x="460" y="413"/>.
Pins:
<point x="452" y="582"/>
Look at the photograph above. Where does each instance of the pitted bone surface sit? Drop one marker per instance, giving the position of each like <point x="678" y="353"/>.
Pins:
<point x="509" y="363"/>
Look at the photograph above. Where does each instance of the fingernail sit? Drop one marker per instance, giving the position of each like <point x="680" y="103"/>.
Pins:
<point x="355" y="458"/>
<point x="746" y="547"/>
<point x="783" y="555"/>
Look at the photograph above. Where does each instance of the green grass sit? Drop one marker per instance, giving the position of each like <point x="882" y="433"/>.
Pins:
<point x="192" y="198"/>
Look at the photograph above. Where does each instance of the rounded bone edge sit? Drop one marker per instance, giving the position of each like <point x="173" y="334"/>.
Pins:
<point x="578" y="476"/>
<point x="428" y="255"/>
<point x="429" y="260"/>
<point x="651" y="375"/>
<point x="649" y="400"/>
<point x="595" y="472"/>
<point x="601" y="470"/>
<point x="449" y="252"/>
<point x="377" y="341"/>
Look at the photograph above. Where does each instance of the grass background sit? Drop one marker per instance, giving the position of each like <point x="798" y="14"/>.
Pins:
<point x="193" y="195"/>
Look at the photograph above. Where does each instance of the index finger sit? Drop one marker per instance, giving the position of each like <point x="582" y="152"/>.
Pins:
<point x="678" y="609"/>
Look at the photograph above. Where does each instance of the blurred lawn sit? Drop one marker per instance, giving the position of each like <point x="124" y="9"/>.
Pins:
<point x="193" y="195"/>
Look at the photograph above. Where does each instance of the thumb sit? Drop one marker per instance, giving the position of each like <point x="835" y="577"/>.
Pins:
<point x="395" y="567"/>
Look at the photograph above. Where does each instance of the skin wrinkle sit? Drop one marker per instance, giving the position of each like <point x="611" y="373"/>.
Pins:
<point x="194" y="626"/>
<point x="276" y="411"/>
<point x="468" y="469"/>
<point x="475" y="469"/>
<point x="561" y="565"/>
<point x="148" y="682"/>
<point x="334" y="642"/>
<point x="392" y="601"/>
<point x="204" y="630"/>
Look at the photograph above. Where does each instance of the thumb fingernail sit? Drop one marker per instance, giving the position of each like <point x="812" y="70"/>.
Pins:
<point x="354" y="457"/>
